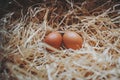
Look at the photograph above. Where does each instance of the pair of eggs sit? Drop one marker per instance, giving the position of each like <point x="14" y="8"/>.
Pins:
<point x="70" y="39"/>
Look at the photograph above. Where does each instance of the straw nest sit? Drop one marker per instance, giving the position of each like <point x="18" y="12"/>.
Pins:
<point x="25" y="56"/>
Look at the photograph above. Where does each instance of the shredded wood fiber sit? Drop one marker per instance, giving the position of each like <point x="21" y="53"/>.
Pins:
<point x="28" y="59"/>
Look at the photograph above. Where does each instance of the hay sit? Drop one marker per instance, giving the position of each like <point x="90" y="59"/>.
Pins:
<point x="28" y="59"/>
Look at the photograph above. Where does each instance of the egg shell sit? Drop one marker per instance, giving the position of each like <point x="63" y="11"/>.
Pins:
<point x="72" y="40"/>
<point x="54" y="39"/>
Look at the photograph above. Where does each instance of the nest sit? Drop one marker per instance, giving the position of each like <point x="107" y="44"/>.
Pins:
<point x="23" y="51"/>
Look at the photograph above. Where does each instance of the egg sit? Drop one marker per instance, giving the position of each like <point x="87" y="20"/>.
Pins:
<point x="54" y="39"/>
<point x="72" y="40"/>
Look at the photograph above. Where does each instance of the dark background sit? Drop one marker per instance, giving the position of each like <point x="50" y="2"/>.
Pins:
<point x="16" y="5"/>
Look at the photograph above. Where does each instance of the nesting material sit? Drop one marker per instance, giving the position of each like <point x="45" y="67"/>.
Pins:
<point x="28" y="59"/>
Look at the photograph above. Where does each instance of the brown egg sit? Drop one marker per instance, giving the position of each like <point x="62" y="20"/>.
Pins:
<point x="54" y="39"/>
<point x="72" y="40"/>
